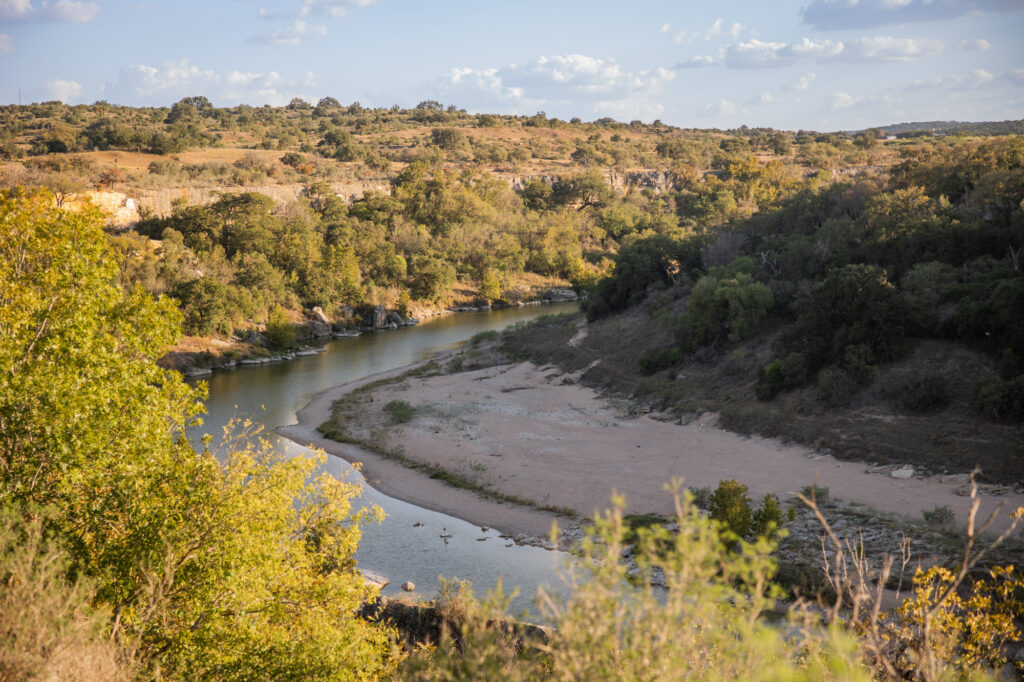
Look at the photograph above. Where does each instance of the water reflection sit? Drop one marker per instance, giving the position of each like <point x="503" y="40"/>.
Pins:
<point x="412" y="543"/>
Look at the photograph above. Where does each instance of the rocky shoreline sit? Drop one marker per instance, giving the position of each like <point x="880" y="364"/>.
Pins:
<point x="251" y="348"/>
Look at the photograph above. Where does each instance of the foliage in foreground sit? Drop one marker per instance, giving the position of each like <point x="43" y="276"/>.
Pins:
<point x="711" y="620"/>
<point x="615" y="624"/>
<point x="228" y="564"/>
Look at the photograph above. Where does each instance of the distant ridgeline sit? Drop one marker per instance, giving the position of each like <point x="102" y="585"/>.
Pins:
<point x="956" y="128"/>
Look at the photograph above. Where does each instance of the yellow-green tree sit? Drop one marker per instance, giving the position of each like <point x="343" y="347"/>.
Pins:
<point x="228" y="564"/>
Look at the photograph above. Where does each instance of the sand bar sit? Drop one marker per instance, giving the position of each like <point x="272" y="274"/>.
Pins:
<point x="535" y="433"/>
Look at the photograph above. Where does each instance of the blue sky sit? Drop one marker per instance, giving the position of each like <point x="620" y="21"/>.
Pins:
<point x="814" y="64"/>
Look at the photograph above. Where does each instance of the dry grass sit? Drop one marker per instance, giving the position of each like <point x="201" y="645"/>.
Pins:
<point x="48" y="630"/>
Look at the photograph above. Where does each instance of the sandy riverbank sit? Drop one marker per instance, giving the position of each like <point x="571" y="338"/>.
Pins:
<point x="395" y="480"/>
<point x="534" y="433"/>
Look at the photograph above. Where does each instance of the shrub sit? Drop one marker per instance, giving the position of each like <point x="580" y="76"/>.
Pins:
<point x="702" y="497"/>
<point x="614" y="624"/>
<point x="1000" y="400"/>
<point x="654" y="360"/>
<point x="730" y="505"/>
<point x="779" y="374"/>
<point x="401" y="412"/>
<point x="836" y="386"/>
<point x="854" y="306"/>
<point x="207" y="305"/>
<point x="480" y="337"/>
<point x="926" y="393"/>
<point x="731" y="307"/>
<point x="767" y="518"/>
<point x="645" y="263"/>
<point x="815" y="492"/>
<point x="448" y="138"/>
<point x="280" y="332"/>
<point x="940" y="516"/>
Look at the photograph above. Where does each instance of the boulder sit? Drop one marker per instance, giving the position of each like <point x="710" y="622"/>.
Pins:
<point x="561" y="294"/>
<point x="380" y="317"/>
<point x="394" y="318"/>
<point x="408" y="586"/>
<point x="317" y="315"/>
<point x="318" y="329"/>
<point x="903" y="472"/>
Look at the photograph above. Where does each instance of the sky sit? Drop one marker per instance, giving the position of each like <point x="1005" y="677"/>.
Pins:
<point x="814" y="64"/>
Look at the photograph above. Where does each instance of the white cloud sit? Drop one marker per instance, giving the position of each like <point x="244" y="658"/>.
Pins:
<point x="300" y="29"/>
<point x="677" y="37"/>
<point x="293" y="34"/>
<point x="719" y="28"/>
<point x="804" y="82"/>
<point x="6" y="46"/>
<point x="722" y="107"/>
<point x="1017" y="76"/>
<point x="765" y="97"/>
<point x="979" y="44"/>
<point x="71" y="12"/>
<point x="850" y="14"/>
<point x="67" y="11"/>
<point x="65" y="91"/>
<point x="335" y="9"/>
<point x="844" y="100"/>
<point x="815" y="48"/>
<point x="697" y="61"/>
<point x="754" y="53"/>
<point x="571" y="81"/>
<point x="957" y="81"/>
<point x="170" y="81"/>
<point x="888" y="49"/>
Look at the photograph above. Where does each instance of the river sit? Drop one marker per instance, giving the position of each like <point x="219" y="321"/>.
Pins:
<point x="408" y="545"/>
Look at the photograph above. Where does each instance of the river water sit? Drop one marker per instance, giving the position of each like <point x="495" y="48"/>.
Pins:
<point x="412" y="543"/>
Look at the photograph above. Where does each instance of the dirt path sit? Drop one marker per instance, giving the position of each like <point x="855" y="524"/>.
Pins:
<point x="533" y="433"/>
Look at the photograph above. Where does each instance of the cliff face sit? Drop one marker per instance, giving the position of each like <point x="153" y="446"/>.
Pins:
<point x="125" y="209"/>
<point x="657" y="181"/>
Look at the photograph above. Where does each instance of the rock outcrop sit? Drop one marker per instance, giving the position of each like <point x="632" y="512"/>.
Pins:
<point x="561" y="295"/>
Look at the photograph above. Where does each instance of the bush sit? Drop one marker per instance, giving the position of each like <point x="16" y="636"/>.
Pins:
<point x="854" y="306"/>
<point x="731" y="306"/>
<point x="788" y="372"/>
<point x="836" y="386"/>
<point x="480" y="337"/>
<point x="401" y="412"/>
<point x="940" y="516"/>
<point x="654" y="360"/>
<point x="730" y="505"/>
<point x="1000" y="400"/>
<point x="926" y="393"/>
<point x="815" y="492"/>
<point x="614" y="624"/>
<point x="645" y="263"/>
<point x="280" y="332"/>
<point x="702" y="497"/>
<point x="207" y="306"/>
<point x="768" y="518"/>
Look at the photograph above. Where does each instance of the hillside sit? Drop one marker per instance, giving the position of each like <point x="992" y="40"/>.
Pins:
<point x="245" y="211"/>
<point x="743" y="245"/>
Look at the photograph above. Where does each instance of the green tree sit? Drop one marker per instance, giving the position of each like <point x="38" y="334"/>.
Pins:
<point x="280" y="332"/>
<point x="727" y="304"/>
<point x="231" y="564"/>
<point x="855" y="307"/>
